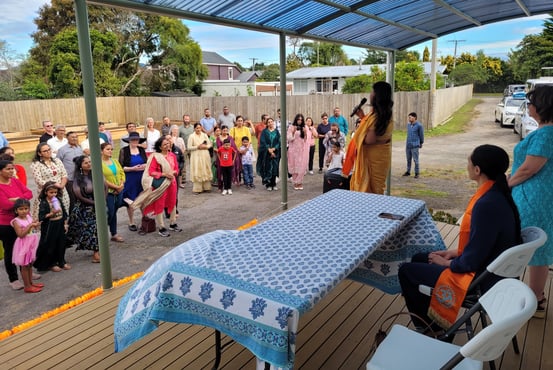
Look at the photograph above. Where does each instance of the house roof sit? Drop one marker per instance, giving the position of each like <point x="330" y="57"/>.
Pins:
<point x="248" y="76"/>
<point x="210" y="57"/>
<point x="347" y="71"/>
<point x="379" y="24"/>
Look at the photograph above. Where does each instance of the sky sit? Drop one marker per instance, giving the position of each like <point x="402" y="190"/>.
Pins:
<point x="237" y="45"/>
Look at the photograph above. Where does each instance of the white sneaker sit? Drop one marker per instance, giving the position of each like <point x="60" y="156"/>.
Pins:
<point x="16" y="285"/>
<point x="224" y="192"/>
<point x="311" y="172"/>
<point x="275" y="188"/>
<point x="229" y="192"/>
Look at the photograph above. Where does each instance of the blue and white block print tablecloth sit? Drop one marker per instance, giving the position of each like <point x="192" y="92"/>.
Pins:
<point x="254" y="285"/>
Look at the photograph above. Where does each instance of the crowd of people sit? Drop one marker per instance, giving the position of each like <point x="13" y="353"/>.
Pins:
<point x="220" y="153"/>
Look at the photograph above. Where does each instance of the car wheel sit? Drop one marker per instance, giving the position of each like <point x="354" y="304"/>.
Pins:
<point x="520" y="134"/>
<point x="501" y="122"/>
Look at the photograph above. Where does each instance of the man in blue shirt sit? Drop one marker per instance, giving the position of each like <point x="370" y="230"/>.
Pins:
<point x="208" y="123"/>
<point x="340" y="120"/>
<point x="3" y="141"/>
<point x="415" y="139"/>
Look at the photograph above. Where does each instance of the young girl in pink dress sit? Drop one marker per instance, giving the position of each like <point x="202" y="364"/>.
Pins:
<point x="25" y="246"/>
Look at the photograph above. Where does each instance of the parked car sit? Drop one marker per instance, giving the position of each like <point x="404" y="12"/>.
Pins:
<point x="507" y="107"/>
<point x="511" y="89"/>
<point x="524" y="124"/>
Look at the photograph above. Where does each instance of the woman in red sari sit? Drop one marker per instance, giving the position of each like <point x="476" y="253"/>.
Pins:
<point x="162" y="167"/>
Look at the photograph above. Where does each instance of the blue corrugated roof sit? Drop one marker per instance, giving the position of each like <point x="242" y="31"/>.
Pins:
<point x="383" y="24"/>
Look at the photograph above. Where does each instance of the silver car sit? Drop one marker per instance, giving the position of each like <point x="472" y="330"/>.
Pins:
<point x="524" y="124"/>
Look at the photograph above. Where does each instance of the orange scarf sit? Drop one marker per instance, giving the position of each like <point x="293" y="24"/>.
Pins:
<point x="451" y="288"/>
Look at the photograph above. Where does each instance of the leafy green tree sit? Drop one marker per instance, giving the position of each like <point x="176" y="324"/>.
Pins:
<point x="65" y="66"/>
<point x="407" y="56"/>
<point x="533" y="53"/>
<point x="426" y="54"/>
<point x="162" y="43"/>
<point x="271" y="73"/>
<point x="363" y="83"/>
<point x="374" y="57"/>
<point x="322" y="54"/>
<point x="409" y="76"/>
<point x="466" y="73"/>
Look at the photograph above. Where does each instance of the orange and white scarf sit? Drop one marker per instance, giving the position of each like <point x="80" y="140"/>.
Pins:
<point x="451" y="287"/>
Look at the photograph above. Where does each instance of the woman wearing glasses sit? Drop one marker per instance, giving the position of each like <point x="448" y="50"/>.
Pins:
<point x="45" y="168"/>
<point x="531" y="180"/>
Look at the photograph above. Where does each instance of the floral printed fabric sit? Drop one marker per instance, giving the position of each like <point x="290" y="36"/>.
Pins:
<point x="253" y="285"/>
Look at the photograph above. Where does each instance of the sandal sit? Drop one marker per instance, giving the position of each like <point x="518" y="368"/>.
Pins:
<point x="540" y="310"/>
<point x="32" y="289"/>
<point x="67" y="266"/>
<point x="55" y="268"/>
<point x="38" y="285"/>
<point x="117" y="238"/>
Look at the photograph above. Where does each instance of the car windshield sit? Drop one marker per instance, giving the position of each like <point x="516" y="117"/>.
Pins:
<point x="514" y="103"/>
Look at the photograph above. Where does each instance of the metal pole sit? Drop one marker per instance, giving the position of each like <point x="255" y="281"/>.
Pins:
<point x="85" y="51"/>
<point x="283" y="122"/>
<point x="390" y="78"/>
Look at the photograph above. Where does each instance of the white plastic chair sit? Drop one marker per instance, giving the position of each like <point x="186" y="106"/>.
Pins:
<point x="509" y="304"/>
<point x="509" y="264"/>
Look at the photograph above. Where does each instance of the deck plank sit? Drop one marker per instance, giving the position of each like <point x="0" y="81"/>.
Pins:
<point x="336" y="334"/>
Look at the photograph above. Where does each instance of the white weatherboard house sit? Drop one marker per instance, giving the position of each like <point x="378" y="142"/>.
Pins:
<point x="330" y="80"/>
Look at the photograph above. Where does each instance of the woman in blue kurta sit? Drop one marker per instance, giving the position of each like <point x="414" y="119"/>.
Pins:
<point x="532" y="183"/>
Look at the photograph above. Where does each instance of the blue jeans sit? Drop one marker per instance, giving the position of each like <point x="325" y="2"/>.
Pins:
<point x="247" y="170"/>
<point x="113" y="203"/>
<point x="412" y="154"/>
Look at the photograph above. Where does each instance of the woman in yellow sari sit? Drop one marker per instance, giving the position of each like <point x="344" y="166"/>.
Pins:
<point x="369" y="152"/>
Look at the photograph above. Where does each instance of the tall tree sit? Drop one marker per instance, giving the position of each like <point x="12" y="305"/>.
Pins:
<point x="426" y="54"/>
<point x="322" y="53"/>
<point x="160" y="42"/>
<point x="374" y="57"/>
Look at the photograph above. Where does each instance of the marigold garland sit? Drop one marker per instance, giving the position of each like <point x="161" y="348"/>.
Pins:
<point x="248" y="225"/>
<point x="75" y="302"/>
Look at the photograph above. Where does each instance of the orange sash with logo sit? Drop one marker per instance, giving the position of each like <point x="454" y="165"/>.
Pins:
<point x="451" y="287"/>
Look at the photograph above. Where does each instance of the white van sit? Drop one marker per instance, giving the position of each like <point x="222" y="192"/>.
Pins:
<point x="532" y="83"/>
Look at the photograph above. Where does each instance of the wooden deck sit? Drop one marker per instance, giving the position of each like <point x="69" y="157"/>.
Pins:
<point x="337" y="334"/>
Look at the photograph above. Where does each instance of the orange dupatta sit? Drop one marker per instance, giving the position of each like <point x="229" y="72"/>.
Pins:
<point x="451" y="287"/>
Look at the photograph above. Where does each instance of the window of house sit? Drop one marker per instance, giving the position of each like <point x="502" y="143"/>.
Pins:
<point x="326" y="85"/>
<point x="300" y="86"/>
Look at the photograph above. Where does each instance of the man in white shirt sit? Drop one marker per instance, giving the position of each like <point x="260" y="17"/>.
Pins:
<point x="58" y="140"/>
<point x="85" y="144"/>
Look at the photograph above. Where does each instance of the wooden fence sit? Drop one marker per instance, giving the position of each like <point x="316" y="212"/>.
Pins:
<point x="24" y="116"/>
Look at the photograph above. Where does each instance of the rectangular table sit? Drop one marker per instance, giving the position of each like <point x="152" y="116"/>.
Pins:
<point x="254" y="285"/>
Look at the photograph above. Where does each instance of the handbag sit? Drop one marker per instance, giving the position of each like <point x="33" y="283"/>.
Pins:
<point x="147" y="225"/>
<point x="156" y="183"/>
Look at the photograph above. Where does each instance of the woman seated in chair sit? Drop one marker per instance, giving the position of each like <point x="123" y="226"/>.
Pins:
<point x="490" y="225"/>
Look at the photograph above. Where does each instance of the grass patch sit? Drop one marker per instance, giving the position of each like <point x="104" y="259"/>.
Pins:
<point x="456" y="124"/>
<point x="445" y="173"/>
<point x="420" y="193"/>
